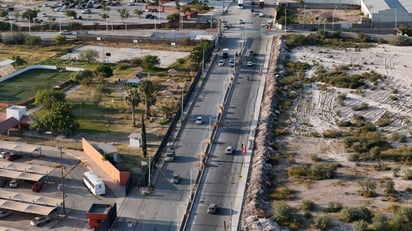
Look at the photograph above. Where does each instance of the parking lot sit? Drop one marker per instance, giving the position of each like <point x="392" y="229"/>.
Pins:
<point x="46" y="166"/>
<point x="86" y="14"/>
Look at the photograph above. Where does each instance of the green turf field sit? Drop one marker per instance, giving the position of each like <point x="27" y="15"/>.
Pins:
<point x="25" y="85"/>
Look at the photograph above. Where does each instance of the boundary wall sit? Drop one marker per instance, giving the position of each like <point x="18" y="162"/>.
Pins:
<point x="117" y="176"/>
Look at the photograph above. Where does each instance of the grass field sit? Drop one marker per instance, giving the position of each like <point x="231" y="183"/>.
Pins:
<point x="24" y="86"/>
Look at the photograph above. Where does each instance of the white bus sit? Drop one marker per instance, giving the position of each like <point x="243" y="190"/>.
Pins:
<point x="94" y="183"/>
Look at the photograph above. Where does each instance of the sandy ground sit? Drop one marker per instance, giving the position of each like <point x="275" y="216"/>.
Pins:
<point x="116" y="54"/>
<point x="318" y="110"/>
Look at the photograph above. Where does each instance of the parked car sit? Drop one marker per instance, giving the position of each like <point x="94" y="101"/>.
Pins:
<point x="199" y="120"/>
<point x="175" y="179"/>
<point x="3" y="182"/>
<point x="14" y="183"/>
<point x="5" y="213"/>
<point x="37" y="221"/>
<point x="221" y="63"/>
<point x="37" y="186"/>
<point x="12" y="156"/>
<point x="149" y="16"/>
<point x="229" y="150"/>
<point x="212" y="208"/>
<point x="3" y="154"/>
<point x="249" y="63"/>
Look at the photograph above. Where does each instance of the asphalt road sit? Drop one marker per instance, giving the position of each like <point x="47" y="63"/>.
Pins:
<point x="221" y="183"/>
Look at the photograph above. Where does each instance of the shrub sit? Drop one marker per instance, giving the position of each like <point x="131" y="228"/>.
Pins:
<point x="380" y="223"/>
<point x="360" y="107"/>
<point x="315" y="158"/>
<point x="407" y="174"/>
<point x="283" y="212"/>
<point x="283" y="193"/>
<point x="360" y="225"/>
<point x="390" y="186"/>
<point x="348" y="214"/>
<point x="321" y="222"/>
<point x="307" y="205"/>
<point x="332" y="134"/>
<point x="334" y="207"/>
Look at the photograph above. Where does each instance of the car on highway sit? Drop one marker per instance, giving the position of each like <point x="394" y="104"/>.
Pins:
<point x="221" y="63"/>
<point x="5" y="213"/>
<point x="231" y="63"/>
<point x="229" y="150"/>
<point x="66" y="32"/>
<point x="175" y="179"/>
<point x="14" y="183"/>
<point x="199" y="120"/>
<point x="249" y="63"/>
<point x="38" y="221"/>
<point x="212" y="209"/>
<point x="131" y="3"/>
<point x="170" y="156"/>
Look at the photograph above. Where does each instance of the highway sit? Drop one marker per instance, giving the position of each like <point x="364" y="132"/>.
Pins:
<point x="221" y="182"/>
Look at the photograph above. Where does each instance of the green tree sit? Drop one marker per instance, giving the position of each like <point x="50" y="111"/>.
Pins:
<point x="83" y="77"/>
<point x="29" y="14"/>
<point x="168" y="110"/>
<point x="144" y="141"/>
<point x="18" y="61"/>
<point x="71" y="13"/>
<point x="89" y="55"/>
<point x="60" y="118"/>
<point x="124" y="14"/>
<point x="173" y="17"/>
<point x="147" y="90"/>
<point x="150" y="61"/>
<point x="46" y="97"/>
<point x="3" y="13"/>
<point x="104" y="70"/>
<point x="403" y="28"/>
<point x="32" y="41"/>
<point x="138" y="12"/>
<point x="132" y="98"/>
<point x="60" y="39"/>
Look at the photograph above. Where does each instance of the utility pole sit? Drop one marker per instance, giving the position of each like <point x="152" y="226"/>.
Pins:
<point x="62" y="179"/>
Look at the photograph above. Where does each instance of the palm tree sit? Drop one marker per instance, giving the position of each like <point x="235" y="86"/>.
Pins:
<point x="146" y="90"/>
<point x="133" y="99"/>
<point x="124" y="14"/>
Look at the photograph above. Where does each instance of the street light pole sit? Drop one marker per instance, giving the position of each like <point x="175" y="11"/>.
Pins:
<point x="62" y="178"/>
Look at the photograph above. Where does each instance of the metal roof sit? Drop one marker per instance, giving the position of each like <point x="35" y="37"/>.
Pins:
<point x="28" y="203"/>
<point x="20" y="175"/>
<point x="22" y="167"/>
<point x="26" y="207"/>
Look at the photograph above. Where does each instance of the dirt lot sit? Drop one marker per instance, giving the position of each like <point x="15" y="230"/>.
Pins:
<point x="317" y="110"/>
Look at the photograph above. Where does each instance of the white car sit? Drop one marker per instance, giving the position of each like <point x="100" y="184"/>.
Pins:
<point x="175" y="179"/>
<point x="229" y="150"/>
<point x="37" y="221"/>
<point x="249" y="63"/>
<point x="199" y="120"/>
<point x="231" y="63"/>
<point x="14" y="183"/>
<point x="66" y="32"/>
<point x="221" y="63"/>
<point x="212" y="208"/>
<point x="263" y="24"/>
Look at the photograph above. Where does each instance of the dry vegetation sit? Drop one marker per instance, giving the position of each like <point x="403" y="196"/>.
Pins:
<point x="318" y="171"/>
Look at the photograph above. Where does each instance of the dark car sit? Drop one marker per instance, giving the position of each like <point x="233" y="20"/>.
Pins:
<point x="12" y="156"/>
<point x="149" y="16"/>
<point x="37" y="186"/>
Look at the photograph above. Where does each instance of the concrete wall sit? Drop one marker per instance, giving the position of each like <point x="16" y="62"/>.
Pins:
<point x="116" y="175"/>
